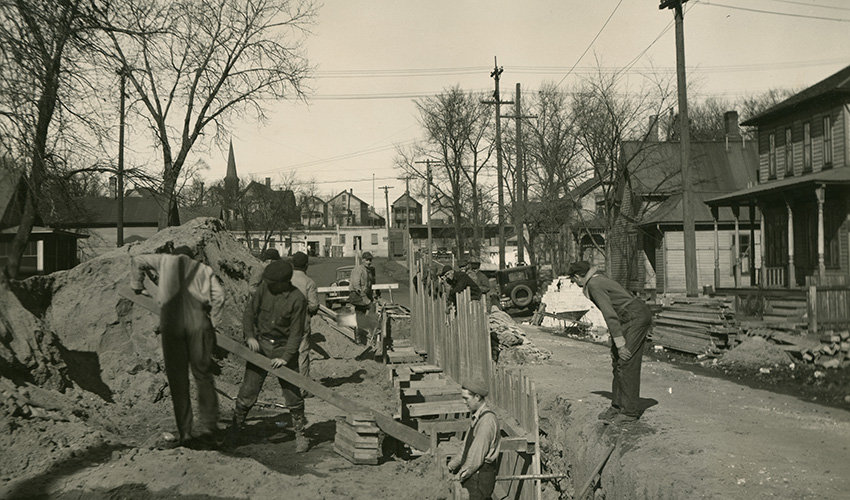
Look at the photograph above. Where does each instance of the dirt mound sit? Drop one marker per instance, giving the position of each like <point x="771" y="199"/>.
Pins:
<point x="755" y="352"/>
<point x="111" y="346"/>
<point x="514" y="345"/>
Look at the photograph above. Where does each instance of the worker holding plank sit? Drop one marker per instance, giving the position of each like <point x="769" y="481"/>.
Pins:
<point x="191" y="300"/>
<point x="629" y="321"/>
<point x="273" y="325"/>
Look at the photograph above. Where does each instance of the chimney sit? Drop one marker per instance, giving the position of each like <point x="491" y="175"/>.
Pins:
<point x="113" y="186"/>
<point x="652" y="131"/>
<point x="730" y="121"/>
<point x="269" y="182"/>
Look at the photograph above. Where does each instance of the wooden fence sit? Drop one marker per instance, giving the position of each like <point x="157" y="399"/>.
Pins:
<point x="828" y="302"/>
<point x="459" y="343"/>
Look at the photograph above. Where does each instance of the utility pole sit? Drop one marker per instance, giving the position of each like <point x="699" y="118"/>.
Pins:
<point x="387" y="200"/>
<point x="519" y="190"/>
<point x="428" y="162"/>
<point x="406" y="180"/>
<point x="119" y="239"/>
<point x="691" y="285"/>
<point x="496" y="74"/>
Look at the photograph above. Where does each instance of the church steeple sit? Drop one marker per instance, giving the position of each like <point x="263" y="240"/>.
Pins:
<point x="231" y="180"/>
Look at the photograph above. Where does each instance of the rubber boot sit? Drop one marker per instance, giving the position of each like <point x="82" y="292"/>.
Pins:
<point x="302" y="444"/>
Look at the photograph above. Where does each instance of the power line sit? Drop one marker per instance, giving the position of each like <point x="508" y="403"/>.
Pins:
<point x="792" y="2"/>
<point x="591" y="43"/>
<point x="787" y="14"/>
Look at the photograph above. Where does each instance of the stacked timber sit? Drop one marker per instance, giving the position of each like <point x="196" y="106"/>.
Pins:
<point x="696" y="325"/>
<point x="358" y="439"/>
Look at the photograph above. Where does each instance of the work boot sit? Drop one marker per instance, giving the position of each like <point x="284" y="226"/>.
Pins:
<point x="609" y="414"/>
<point x="237" y="421"/>
<point x="302" y="443"/>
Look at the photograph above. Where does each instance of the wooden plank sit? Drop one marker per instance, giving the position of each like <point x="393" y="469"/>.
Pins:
<point x="386" y="423"/>
<point x="380" y="286"/>
<point x="436" y="408"/>
<point x="686" y="317"/>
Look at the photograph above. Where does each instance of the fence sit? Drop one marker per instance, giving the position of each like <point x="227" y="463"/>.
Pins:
<point x="459" y="343"/>
<point x="828" y="302"/>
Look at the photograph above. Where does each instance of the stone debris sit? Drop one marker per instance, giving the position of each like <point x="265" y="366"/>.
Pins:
<point x="514" y="345"/>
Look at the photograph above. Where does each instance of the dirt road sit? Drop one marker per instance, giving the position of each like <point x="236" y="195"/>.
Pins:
<point x="700" y="436"/>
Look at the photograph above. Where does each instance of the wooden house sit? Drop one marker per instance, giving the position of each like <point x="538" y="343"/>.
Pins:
<point x="803" y="192"/>
<point x="406" y="211"/>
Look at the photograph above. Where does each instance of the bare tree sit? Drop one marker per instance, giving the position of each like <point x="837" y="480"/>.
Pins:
<point x="44" y="80"/>
<point x="607" y="113"/>
<point x="196" y="64"/>
<point x="456" y="125"/>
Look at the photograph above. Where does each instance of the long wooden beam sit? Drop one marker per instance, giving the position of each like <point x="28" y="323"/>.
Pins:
<point x="387" y="424"/>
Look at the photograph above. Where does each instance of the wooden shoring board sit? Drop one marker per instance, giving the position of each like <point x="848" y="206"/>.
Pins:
<point x="437" y="408"/>
<point x="395" y="429"/>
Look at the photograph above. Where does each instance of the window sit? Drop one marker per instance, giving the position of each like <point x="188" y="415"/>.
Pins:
<point x="271" y="243"/>
<point x="827" y="142"/>
<point x="807" y="147"/>
<point x="789" y="152"/>
<point x="374" y="238"/>
<point x="745" y="252"/>
<point x="342" y="239"/>
<point x="771" y="158"/>
<point x="256" y="242"/>
<point x="776" y="237"/>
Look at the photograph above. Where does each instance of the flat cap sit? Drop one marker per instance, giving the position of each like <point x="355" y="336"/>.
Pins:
<point x="366" y="255"/>
<point x="299" y="260"/>
<point x="271" y="254"/>
<point x="580" y="268"/>
<point x="278" y="271"/>
<point x="446" y="269"/>
<point x="477" y="386"/>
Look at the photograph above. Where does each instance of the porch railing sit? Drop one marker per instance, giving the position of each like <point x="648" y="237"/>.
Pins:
<point x="828" y="302"/>
<point x="775" y="276"/>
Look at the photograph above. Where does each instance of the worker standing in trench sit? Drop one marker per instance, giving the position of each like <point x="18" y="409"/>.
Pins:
<point x="477" y="465"/>
<point x="308" y="288"/>
<point x="191" y="300"/>
<point x="273" y="325"/>
<point x="629" y="321"/>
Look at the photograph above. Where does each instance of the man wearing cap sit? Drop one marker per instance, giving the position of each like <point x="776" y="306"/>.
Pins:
<point x="458" y="281"/>
<point x="476" y="467"/>
<point x="269" y="255"/>
<point x="191" y="299"/>
<point x="308" y="288"/>
<point x="475" y="273"/>
<point x="273" y="325"/>
<point x="360" y="295"/>
<point x="629" y="321"/>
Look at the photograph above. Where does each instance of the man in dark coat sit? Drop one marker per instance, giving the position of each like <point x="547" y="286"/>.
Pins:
<point x="273" y="325"/>
<point x="629" y="321"/>
<point x="459" y="281"/>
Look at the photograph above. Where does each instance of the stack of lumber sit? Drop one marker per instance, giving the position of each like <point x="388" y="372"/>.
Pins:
<point x="358" y="439"/>
<point x="696" y="325"/>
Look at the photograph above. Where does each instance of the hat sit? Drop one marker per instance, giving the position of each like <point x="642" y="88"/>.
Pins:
<point x="366" y="255"/>
<point x="475" y="263"/>
<point x="278" y="271"/>
<point x="477" y="386"/>
<point x="581" y="268"/>
<point x="462" y="263"/>
<point x="183" y="250"/>
<point x="445" y="270"/>
<point x="299" y="260"/>
<point x="271" y="254"/>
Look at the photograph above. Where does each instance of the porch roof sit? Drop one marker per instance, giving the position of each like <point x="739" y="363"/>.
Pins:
<point x="837" y="176"/>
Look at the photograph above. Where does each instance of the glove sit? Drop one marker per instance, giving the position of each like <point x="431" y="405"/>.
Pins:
<point x="625" y="353"/>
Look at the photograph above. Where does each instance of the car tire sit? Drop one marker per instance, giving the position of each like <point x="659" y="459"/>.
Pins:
<point x="521" y="296"/>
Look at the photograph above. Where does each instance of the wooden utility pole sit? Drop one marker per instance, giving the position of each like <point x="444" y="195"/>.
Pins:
<point x="119" y="238"/>
<point x="691" y="285"/>
<point x="389" y="216"/>
<point x="497" y="100"/>
<point x="428" y="162"/>
<point x="519" y="178"/>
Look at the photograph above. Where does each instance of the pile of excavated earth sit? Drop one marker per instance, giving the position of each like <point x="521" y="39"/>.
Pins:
<point x="83" y="388"/>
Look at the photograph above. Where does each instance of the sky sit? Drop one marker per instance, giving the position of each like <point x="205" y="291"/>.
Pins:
<point x="374" y="58"/>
